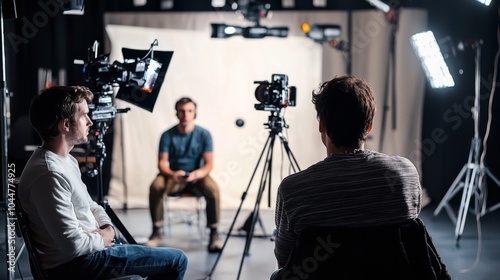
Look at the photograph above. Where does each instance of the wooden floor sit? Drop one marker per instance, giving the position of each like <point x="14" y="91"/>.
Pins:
<point x="260" y="262"/>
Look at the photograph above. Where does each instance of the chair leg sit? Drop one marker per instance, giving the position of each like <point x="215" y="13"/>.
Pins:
<point x="195" y="217"/>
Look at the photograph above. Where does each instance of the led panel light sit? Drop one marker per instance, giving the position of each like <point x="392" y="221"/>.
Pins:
<point x="427" y="49"/>
<point x="485" y="2"/>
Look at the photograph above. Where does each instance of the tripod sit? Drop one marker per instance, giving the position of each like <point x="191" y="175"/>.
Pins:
<point x="275" y="125"/>
<point x="473" y="170"/>
<point x="102" y="127"/>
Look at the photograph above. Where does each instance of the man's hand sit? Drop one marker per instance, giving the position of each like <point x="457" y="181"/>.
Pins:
<point x="179" y="176"/>
<point x="193" y="176"/>
<point x="108" y="234"/>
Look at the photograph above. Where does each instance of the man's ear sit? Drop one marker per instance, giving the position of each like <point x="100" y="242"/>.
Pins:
<point x="369" y="127"/>
<point x="64" y="124"/>
<point x="321" y="126"/>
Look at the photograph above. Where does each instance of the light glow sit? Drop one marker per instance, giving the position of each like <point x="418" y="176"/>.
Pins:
<point x="305" y="27"/>
<point x="380" y="5"/>
<point x="485" y="2"/>
<point x="230" y="30"/>
<point x="435" y="68"/>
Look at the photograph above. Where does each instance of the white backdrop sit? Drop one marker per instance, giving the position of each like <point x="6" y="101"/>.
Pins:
<point x="219" y="75"/>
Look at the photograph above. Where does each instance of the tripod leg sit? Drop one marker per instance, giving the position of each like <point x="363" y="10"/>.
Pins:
<point x="209" y="276"/>
<point x="495" y="179"/>
<point x="451" y="192"/>
<point x="266" y="175"/>
<point x="119" y="225"/>
<point x="464" y="206"/>
<point x="251" y="231"/>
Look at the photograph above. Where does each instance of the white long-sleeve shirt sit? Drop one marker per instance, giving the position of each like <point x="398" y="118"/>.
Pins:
<point x="62" y="216"/>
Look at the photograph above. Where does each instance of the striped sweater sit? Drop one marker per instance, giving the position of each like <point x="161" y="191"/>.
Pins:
<point x="362" y="189"/>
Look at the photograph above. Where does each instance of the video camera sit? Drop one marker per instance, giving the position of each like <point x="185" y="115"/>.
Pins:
<point x="139" y="73"/>
<point x="276" y="94"/>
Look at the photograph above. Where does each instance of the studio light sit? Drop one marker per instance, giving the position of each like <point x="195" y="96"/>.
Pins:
<point x="485" y="2"/>
<point x="221" y="30"/>
<point x="380" y="5"/>
<point x="321" y="32"/>
<point x="391" y="11"/>
<point x="436" y="70"/>
<point x="253" y="11"/>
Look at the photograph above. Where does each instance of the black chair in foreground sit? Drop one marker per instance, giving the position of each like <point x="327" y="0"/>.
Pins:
<point x="390" y="252"/>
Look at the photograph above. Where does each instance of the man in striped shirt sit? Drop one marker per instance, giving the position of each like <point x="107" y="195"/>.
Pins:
<point x="351" y="187"/>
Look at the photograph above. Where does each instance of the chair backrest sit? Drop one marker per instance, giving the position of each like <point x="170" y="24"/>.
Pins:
<point x="34" y="259"/>
<point x="401" y="251"/>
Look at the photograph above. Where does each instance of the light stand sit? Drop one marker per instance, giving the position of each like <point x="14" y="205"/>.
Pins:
<point x="473" y="170"/>
<point x="4" y="103"/>
<point x="392" y="18"/>
<point x="274" y="125"/>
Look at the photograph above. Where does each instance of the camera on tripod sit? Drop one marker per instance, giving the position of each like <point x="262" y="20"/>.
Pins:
<point x="276" y="94"/>
<point x="139" y="74"/>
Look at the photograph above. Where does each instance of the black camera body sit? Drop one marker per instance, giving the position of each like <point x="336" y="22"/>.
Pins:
<point x="133" y="72"/>
<point x="138" y="73"/>
<point x="276" y="94"/>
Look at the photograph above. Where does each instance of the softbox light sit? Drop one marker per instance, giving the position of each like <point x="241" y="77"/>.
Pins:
<point x="145" y="95"/>
<point x="436" y="70"/>
<point x="485" y="2"/>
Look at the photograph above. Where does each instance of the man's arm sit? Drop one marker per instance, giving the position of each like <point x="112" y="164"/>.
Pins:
<point x="164" y="167"/>
<point x="202" y="172"/>
<point x="54" y="208"/>
<point x="106" y="230"/>
<point x="108" y="234"/>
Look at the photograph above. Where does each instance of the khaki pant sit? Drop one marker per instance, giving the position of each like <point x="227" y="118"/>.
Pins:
<point x="205" y="187"/>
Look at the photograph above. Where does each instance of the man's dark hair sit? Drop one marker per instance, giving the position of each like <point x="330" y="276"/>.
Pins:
<point x="55" y="104"/>
<point x="347" y="106"/>
<point x="183" y="101"/>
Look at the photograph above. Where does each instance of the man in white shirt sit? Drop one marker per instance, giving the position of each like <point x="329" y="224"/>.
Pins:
<point x="72" y="233"/>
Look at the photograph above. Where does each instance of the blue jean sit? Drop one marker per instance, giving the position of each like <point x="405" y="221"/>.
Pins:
<point x="127" y="259"/>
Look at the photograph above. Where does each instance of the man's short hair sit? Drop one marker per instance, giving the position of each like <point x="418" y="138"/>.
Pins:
<point x="346" y="105"/>
<point x="55" y="104"/>
<point x="183" y="101"/>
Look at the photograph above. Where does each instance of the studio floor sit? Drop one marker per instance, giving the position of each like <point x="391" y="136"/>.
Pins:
<point x="463" y="262"/>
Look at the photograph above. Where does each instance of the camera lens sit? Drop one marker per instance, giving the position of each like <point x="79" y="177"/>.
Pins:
<point x="262" y="93"/>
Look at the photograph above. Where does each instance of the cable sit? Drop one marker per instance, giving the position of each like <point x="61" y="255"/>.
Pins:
<point x="481" y="161"/>
<point x="490" y="105"/>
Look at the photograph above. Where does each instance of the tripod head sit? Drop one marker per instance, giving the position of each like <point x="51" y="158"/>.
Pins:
<point x="276" y="122"/>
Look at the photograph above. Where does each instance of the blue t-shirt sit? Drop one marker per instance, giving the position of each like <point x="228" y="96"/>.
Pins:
<point x="185" y="151"/>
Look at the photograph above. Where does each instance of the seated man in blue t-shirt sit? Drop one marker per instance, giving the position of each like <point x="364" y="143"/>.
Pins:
<point x="185" y="160"/>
